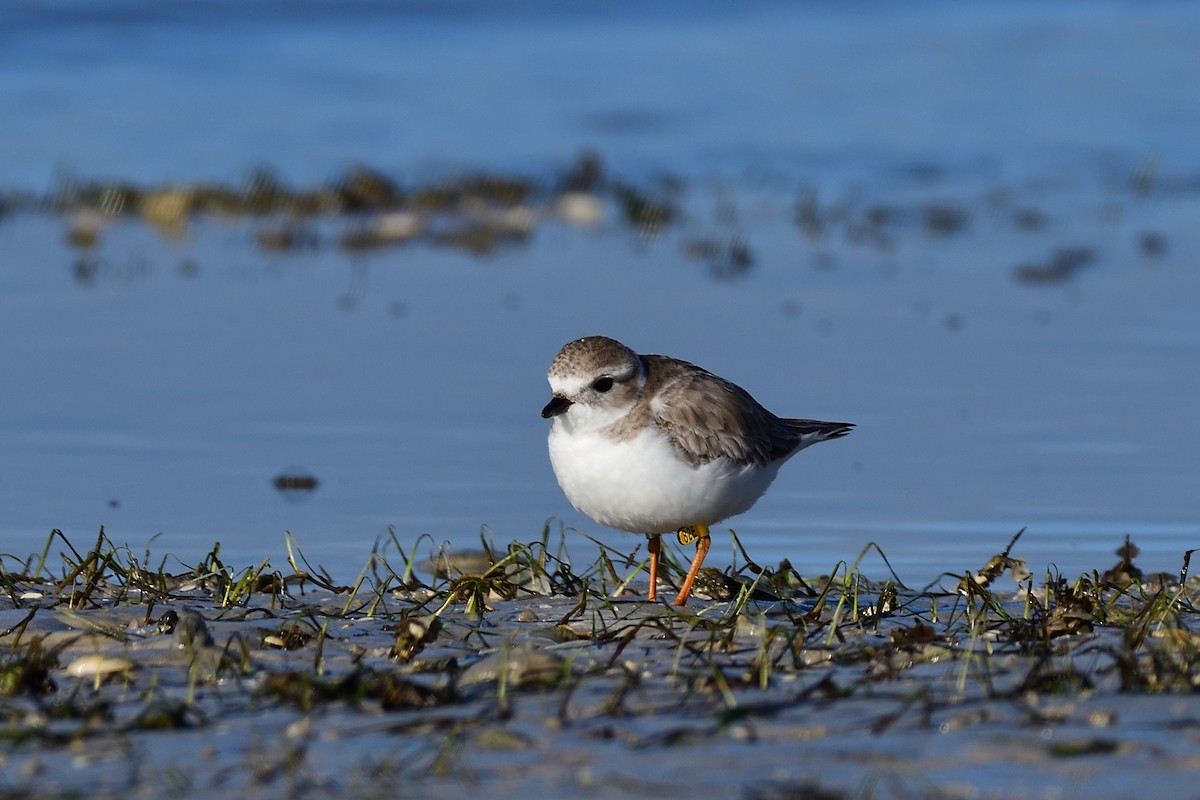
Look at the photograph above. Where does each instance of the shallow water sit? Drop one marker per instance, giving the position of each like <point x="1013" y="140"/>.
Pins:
<point x="159" y="391"/>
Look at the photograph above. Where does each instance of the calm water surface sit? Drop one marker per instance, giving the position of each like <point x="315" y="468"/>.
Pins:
<point x="160" y="395"/>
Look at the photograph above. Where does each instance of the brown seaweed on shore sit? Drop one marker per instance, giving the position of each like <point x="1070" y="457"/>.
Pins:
<point x="115" y="644"/>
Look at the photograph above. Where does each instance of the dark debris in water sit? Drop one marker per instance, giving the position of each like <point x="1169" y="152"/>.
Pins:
<point x="726" y="259"/>
<point x="1061" y="267"/>
<point x="1152" y="244"/>
<point x="944" y="219"/>
<point x="295" y="483"/>
<point x="470" y="663"/>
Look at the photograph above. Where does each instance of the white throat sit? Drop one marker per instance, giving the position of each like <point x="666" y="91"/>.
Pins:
<point x="598" y="410"/>
<point x="587" y="418"/>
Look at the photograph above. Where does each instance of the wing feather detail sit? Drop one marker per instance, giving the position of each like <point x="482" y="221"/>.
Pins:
<point x="707" y="418"/>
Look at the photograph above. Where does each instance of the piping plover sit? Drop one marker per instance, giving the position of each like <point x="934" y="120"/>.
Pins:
<point x="651" y="444"/>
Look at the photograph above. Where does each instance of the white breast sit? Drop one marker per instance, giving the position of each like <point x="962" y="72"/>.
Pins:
<point x="642" y="485"/>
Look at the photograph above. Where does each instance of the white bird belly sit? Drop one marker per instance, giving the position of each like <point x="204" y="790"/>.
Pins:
<point x="643" y="486"/>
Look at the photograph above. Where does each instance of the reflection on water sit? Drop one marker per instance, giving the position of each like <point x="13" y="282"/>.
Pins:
<point x="1009" y="320"/>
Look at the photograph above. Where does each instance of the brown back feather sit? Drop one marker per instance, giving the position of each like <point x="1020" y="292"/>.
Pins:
<point x="709" y="417"/>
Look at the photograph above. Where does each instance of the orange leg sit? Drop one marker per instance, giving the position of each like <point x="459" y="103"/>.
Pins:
<point x="655" y="546"/>
<point x="703" y="542"/>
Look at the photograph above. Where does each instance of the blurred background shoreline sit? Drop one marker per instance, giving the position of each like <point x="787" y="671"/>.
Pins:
<point x="292" y="241"/>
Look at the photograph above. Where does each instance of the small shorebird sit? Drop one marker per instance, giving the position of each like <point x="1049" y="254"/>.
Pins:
<point x="651" y="444"/>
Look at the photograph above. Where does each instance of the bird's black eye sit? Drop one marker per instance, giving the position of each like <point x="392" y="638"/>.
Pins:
<point x="602" y="384"/>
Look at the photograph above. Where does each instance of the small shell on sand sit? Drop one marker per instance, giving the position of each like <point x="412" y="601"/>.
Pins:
<point x="97" y="666"/>
<point x="519" y="666"/>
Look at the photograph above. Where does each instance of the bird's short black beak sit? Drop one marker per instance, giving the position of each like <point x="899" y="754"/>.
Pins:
<point x="557" y="405"/>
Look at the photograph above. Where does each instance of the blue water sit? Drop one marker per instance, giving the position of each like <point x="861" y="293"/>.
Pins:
<point x="211" y="89"/>
<point x="160" y="398"/>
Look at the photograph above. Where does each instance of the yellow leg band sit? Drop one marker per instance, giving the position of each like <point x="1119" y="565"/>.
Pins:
<point x="690" y="533"/>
